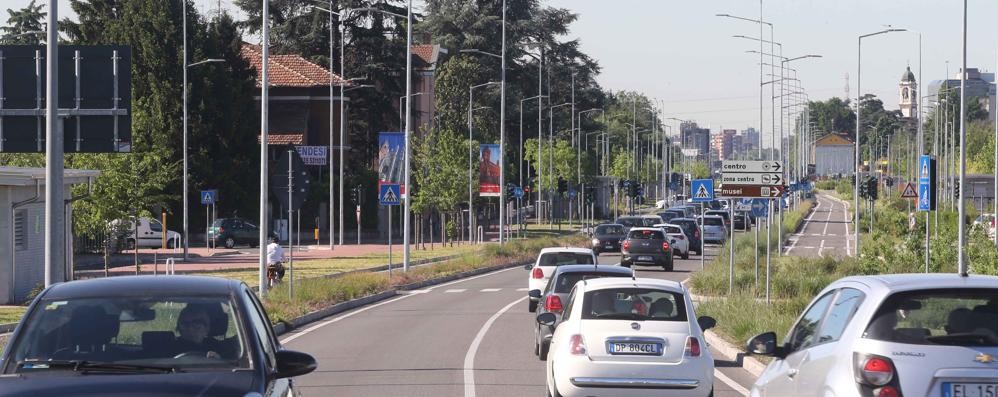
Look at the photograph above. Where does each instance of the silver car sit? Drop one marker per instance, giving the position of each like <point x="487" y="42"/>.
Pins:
<point x="714" y="230"/>
<point x="889" y="335"/>
<point x="555" y="296"/>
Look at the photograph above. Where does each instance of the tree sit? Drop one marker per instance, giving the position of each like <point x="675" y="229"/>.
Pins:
<point x="832" y="116"/>
<point x="442" y="182"/>
<point x="23" y="25"/>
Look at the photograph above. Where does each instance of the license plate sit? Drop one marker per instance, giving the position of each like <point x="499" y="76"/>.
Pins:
<point x="652" y="349"/>
<point x="970" y="389"/>
<point x="644" y="258"/>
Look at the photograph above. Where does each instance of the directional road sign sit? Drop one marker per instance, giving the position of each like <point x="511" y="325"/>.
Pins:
<point x="752" y="191"/>
<point x="744" y="205"/>
<point x="389" y="194"/>
<point x="209" y="197"/>
<point x="759" y="208"/>
<point x="926" y="193"/>
<point x="518" y="192"/>
<point x="703" y="190"/>
<point x="751" y="166"/>
<point x="909" y="191"/>
<point x="771" y="179"/>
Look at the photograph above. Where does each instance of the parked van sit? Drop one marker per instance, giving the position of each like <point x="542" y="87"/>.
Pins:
<point x="147" y="233"/>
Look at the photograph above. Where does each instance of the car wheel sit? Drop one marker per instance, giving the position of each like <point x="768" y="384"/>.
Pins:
<point x="531" y="306"/>
<point x="171" y="243"/>
<point x="686" y="255"/>
<point x="543" y="351"/>
<point x="230" y="243"/>
<point x="596" y="252"/>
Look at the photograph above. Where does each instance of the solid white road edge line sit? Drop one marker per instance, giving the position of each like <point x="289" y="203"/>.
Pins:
<point x="366" y="308"/>
<point x="730" y="382"/>
<point x="469" y="358"/>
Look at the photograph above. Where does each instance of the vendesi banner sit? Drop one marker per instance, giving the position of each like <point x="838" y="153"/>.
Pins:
<point x="391" y="159"/>
<point x="313" y="155"/>
<point x="488" y="180"/>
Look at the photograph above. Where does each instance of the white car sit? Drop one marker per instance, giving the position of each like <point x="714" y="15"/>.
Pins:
<point x="629" y="337"/>
<point x="147" y="233"/>
<point x="660" y="204"/>
<point x="547" y="261"/>
<point x="677" y="239"/>
<point x="889" y="335"/>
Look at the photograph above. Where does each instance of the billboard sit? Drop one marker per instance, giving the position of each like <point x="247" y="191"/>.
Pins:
<point x="391" y="159"/>
<point x="313" y="155"/>
<point x="488" y="180"/>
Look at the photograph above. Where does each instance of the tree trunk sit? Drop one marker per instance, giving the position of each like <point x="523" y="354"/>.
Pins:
<point x="443" y="229"/>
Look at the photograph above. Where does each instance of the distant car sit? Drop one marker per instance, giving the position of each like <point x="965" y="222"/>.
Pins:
<point x="147" y="232"/>
<point x="689" y="210"/>
<point x="638" y="220"/>
<point x="607" y="238"/>
<point x="660" y="204"/>
<point x="555" y="294"/>
<point x="646" y="246"/>
<point x="692" y="230"/>
<point x="624" y="337"/>
<point x="677" y="239"/>
<point x="987" y="223"/>
<point x="742" y="221"/>
<point x="722" y="214"/>
<point x="889" y="335"/>
<point x="149" y="335"/>
<point x="670" y="214"/>
<point x="229" y="232"/>
<point x="714" y="230"/>
<point x="547" y="261"/>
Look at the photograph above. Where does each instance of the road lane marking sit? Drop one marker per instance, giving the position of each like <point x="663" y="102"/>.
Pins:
<point x="491" y="289"/>
<point x="451" y="291"/>
<point x="821" y="247"/>
<point x="366" y="308"/>
<point x="828" y="218"/>
<point x="469" y="357"/>
<point x="730" y="382"/>
<point x="523" y="289"/>
<point x="793" y="243"/>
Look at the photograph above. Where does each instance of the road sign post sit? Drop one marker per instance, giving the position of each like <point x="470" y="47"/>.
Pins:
<point x="756" y="179"/>
<point x="208" y="198"/>
<point x="388" y="195"/>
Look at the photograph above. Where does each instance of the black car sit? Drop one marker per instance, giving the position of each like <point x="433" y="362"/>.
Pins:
<point x="742" y="221"/>
<point x="148" y="335"/>
<point x="692" y="231"/>
<point x="229" y="232"/>
<point x="646" y="246"/>
<point x="670" y="214"/>
<point x="607" y="237"/>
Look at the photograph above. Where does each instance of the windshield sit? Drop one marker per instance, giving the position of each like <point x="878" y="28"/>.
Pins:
<point x="196" y="333"/>
<point x="672" y="230"/>
<point x="565" y="258"/>
<point x="610" y="230"/>
<point x="645" y="235"/>
<point x="566" y="281"/>
<point x="630" y="222"/>
<point x="713" y="221"/>
<point x="633" y="304"/>
<point x="960" y="317"/>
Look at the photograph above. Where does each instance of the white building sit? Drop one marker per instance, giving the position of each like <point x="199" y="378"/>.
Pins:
<point x="834" y="155"/>
<point x="22" y="230"/>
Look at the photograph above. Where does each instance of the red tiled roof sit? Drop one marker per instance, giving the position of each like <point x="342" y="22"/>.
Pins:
<point x="424" y="52"/>
<point x="289" y="70"/>
<point x="283" y="139"/>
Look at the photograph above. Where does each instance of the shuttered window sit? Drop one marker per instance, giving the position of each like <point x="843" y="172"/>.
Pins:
<point x="21" y="230"/>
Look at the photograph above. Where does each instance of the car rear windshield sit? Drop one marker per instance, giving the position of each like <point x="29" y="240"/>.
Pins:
<point x="723" y="214"/>
<point x="565" y="258"/>
<point x="673" y="230"/>
<point x="630" y="222"/>
<point x="566" y="281"/>
<point x="633" y="304"/>
<point x="609" y="229"/>
<point x="952" y="317"/>
<point x="645" y="235"/>
<point x="713" y="221"/>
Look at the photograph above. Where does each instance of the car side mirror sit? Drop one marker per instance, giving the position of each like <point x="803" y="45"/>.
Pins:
<point x="547" y="319"/>
<point x="673" y="241"/>
<point x="763" y="344"/>
<point x="528" y="266"/>
<point x="292" y="363"/>
<point x="706" y="322"/>
<point x="534" y="293"/>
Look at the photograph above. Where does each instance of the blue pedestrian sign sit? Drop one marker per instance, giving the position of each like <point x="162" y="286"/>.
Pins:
<point x="389" y="194"/>
<point x="518" y="192"/>
<point x="703" y="190"/>
<point x="208" y="197"/>
<point x="760" y="208"/>
<point x="925" y="192"/>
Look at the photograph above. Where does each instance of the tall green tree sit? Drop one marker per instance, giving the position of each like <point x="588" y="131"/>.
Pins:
<point x="833" y="115"/>
<point x="23" y="25"/>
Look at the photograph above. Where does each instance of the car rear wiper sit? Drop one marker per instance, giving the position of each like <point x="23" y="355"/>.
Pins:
<point x="85" y="367"/>
<point x="964" y="339"/>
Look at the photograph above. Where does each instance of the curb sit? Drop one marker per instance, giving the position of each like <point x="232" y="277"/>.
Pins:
<point x="748" y="363"/>
<point x="6" y="328"/>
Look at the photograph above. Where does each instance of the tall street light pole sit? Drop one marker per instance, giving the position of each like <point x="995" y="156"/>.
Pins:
<point x="962" y="237"/>
<point x="471" y="109"/>
<point x="859" y="94"/>
<point x="264" y="137"/>
<point x="760" y="22"/>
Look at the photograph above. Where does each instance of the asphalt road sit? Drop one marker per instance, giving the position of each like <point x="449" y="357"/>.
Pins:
<point x="825" y="232"/>
<point x="471" y="337"/>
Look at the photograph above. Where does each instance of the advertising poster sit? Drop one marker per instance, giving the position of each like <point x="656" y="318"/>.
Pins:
<point x="488" y="179"/>
<point x="391" y="159"/>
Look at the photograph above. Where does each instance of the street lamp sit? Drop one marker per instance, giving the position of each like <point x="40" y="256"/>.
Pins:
<point x="859" y="94"/>
<point x="772" y="37"/>
<point x="402" y="98"/>
<point x="471" y="212"/>
<point x="539" y="104"/>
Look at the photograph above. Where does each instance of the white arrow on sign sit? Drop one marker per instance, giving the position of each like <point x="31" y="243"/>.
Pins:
<point x="751" y="179"/>
<point x="751" y="166"/>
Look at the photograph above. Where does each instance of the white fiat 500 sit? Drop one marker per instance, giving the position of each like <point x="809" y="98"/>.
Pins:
<point x="629" y="337"/>
<point x="547" y="261"/>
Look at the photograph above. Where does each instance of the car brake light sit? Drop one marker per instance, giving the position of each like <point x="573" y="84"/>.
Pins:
<point x="665" y="246"/>
<point x="537" y="273"/>
<point x="873" y="370"/>
<point x="887" y="391"/>
<point x="692" y="347"/>
<point x="221" y="229"/>
<point x="627" y="245"/>
<point x="553" y="304"/>
<point x="577" y="345"/>
<point x="696" y="233"/>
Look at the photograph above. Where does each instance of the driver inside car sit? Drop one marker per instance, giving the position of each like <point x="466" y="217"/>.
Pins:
<point x="193" y="327"/>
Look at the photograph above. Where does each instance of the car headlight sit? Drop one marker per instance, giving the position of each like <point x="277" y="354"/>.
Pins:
<point x="595" y="241"/>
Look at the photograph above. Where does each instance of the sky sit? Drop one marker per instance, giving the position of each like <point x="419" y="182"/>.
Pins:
<point x="682" y="54"/>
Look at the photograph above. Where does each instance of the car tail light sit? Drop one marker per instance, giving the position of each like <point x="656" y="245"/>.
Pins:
<point x="692" y="347"/>
<point x="696" y="233"/>
<point x="221" y="230"/>
<point x="537" y="273"/>
<point x="875" y="371"/>
<point x="553" y="304"/>
<point x="665" y="246"/>
<point x="577" y="345"/>
<point x="627" y="245"/>
<point x="887" y="391"/>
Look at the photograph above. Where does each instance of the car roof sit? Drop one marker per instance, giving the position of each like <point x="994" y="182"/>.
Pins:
<point x="712" y="216"/>
<point x="683" y="219"/>
<point x="640" y="282"/>
<point x="914" y="281"/>
<point x="609" y="224"/>
<point x="590" y="268"/>
<point x="668" y="225"/>
<point x="143" y="286"/>
<point x="567" y="249"/>
<point x="638" y="229"/>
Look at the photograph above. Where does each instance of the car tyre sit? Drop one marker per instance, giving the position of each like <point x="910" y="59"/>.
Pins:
<point x="130" y="244"/>
<point x="531" y="306"/>
<point x="171" y="243"/>
<point x="230" y="243"/>
<point x="542" y="351"/>
<point x="686" y="255"/>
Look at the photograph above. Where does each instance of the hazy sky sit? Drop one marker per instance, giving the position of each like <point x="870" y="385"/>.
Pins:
<point x="681" y="53"/>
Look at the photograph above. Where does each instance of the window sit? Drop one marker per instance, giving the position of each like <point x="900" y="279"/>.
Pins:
<point x="951" y="317"/>
<point x="802" y="335"/>
<point x="609" y="230"/>
<point x="155" y="226"/>
<point x="673" y="230"/>
<point x="713" y="221"/>
<point x="567" y="280"/>
<point x="566" y="258"/>
<point x="841" y="312"/>
<point x="258" y="318"/>
<point x="633" y="304"/>
<point x="646" y="235"/>
<point x="568" y="307"/>
<point x="21" y="230"/>
<point x="630" y="222"/>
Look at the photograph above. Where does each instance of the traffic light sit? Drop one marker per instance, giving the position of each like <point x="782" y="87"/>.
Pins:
<point x="562" y="185"/>
<point x="632" y="188"/>
<point x="355" y="195"/>
<point x="590" y="195"/>
<point x="510" y="191"/>
<point x="863" y="193"/>
<point x="872" y="188"/>
<point x="956" y="191"/>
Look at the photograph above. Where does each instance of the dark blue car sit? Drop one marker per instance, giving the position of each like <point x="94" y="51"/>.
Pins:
<point x="692" y="231"/>
<point x="150" y="336"/>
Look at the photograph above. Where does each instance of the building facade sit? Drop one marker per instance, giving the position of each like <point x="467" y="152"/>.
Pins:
<point x="834" y="155"/>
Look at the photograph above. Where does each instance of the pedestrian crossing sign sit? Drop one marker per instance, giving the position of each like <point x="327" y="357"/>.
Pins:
<point x="703" y="190"/>
<point x="389" y="194"/>
<point x="909" y="191"/>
